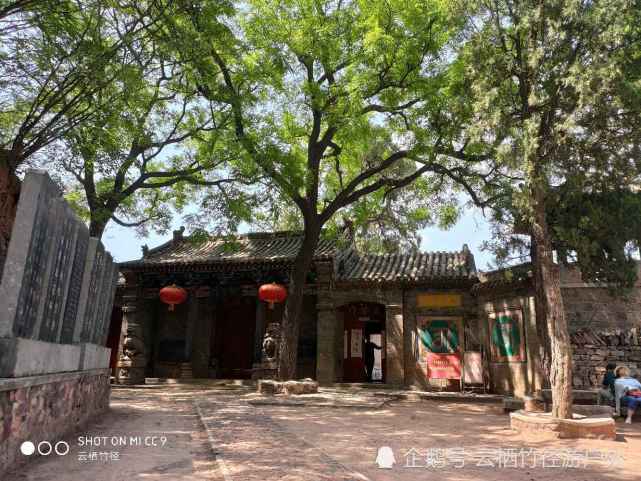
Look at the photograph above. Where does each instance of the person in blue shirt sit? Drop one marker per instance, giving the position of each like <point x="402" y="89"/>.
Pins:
<point x="627" y="392"/>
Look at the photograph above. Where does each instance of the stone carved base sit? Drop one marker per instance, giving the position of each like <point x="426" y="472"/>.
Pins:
<point x="130" y="375"/>
<point x="264" y="370"/>
<point x="130" y="368"/>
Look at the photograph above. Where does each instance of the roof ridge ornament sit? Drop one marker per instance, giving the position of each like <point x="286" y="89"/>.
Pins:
<point x="178" y="234"/>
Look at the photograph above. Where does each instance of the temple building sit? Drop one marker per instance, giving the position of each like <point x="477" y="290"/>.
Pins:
<point x="438" y="322"/>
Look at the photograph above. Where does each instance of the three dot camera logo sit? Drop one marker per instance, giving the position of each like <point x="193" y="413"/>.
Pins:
<point x="45" y="448"/>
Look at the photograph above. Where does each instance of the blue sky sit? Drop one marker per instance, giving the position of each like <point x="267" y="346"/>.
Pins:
<point x="471" y="229"/>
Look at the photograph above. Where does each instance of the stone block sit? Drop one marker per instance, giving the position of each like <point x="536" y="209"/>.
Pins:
<point x="269" y="387"/>
<point x="27" y="357"/>
<point x="93" y="356"/>
<point x="300" y="387"/>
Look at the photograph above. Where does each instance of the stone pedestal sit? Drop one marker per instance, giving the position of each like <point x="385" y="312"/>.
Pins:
<point x="130" y="368"/>
<point x="267" y="368"/>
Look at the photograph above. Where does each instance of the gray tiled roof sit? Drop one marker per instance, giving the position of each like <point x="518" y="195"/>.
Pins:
<point x="349" y="265"/>
<point x="414" y="266"/>
<point x="248" y="248"/>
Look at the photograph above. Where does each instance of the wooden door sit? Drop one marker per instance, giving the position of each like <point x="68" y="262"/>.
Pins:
<point x="235" y="328"/>
<point x="353" y="364"/>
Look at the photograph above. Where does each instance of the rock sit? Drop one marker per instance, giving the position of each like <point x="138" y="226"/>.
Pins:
<point x="301" y="387"/>
<point x="269" y="387"/>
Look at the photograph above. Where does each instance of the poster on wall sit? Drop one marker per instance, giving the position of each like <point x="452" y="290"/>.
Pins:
<point x="473" y="368"/>
<point x="357" y="343"/>
<point x="507" y="339"/>
<point x="440" y="347"/>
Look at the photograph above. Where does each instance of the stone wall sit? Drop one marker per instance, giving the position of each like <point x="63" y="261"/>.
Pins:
<point x="57" y="291"/>
<point x="594" y="350"/>
<point x="605" y="327"/>
<point x="47" y="408"/>
<point x="597" y="308"/>
<point x="57" y="287"/>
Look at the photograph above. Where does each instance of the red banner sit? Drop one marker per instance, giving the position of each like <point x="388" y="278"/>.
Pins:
<point x="443" y="366"/>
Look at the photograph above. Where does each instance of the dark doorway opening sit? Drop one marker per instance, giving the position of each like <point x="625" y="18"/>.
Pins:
<point x="113" y="338"/>
<point x="364" y="342"/>
<point x="233" y="345"/>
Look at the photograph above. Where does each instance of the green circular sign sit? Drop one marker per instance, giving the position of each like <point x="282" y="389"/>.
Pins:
<point x="506" y="336"/>
<point x="439" y="337"/>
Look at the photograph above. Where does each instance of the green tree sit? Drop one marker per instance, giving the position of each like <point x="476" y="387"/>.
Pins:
<point x="555" y="98"/>
<point x="339" y="104"/>
<point x="151" y="146"/>
<point x="57" y="61"/>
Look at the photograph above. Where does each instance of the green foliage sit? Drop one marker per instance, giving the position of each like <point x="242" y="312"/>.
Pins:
<point x="555" y="104"/>
<point x="340" y="105"/>
<point x="145" y="154"/>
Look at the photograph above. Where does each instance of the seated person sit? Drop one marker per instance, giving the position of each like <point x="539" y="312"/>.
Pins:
<point x="606" y="393"/>
<point x="627" y="392"/>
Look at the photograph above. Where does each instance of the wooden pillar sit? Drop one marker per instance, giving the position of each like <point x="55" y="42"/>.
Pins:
<point x="192" y="319"/>
<point x="260" y="330"/>
<point x="203" y="313"/>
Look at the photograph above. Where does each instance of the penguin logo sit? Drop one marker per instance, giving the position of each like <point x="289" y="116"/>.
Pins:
<point x="385" y="458"/>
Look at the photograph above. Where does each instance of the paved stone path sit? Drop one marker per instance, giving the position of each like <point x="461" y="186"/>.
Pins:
<point x="250" y="445"/>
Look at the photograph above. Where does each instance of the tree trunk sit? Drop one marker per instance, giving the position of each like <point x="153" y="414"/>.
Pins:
<point x="9" y="195"/>
<point x="97" y="228"/>
<point x="549" y="301"/>
<point x="545" y="352"/>
<point x="290" y="325"/>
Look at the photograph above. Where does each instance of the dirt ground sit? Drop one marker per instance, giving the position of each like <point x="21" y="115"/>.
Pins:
<point x="138" y="419"/>
<point x="225" y="435"/>
<point x="453" y="442"/>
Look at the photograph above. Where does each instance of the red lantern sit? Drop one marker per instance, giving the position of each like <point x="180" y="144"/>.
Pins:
<point x="173" y="295"/>
<point x="272" y="293"/>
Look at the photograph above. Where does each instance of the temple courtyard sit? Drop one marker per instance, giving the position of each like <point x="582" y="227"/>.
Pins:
<point x="227" y="432"/>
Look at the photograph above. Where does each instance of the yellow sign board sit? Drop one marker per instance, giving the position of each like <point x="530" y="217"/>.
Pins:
<point x="438" y="300"/>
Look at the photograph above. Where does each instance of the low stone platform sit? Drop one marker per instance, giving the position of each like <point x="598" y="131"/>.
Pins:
<point x="271" y="387"/>
<point x="320" y="400"/>
<point x="544" y="425"/>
